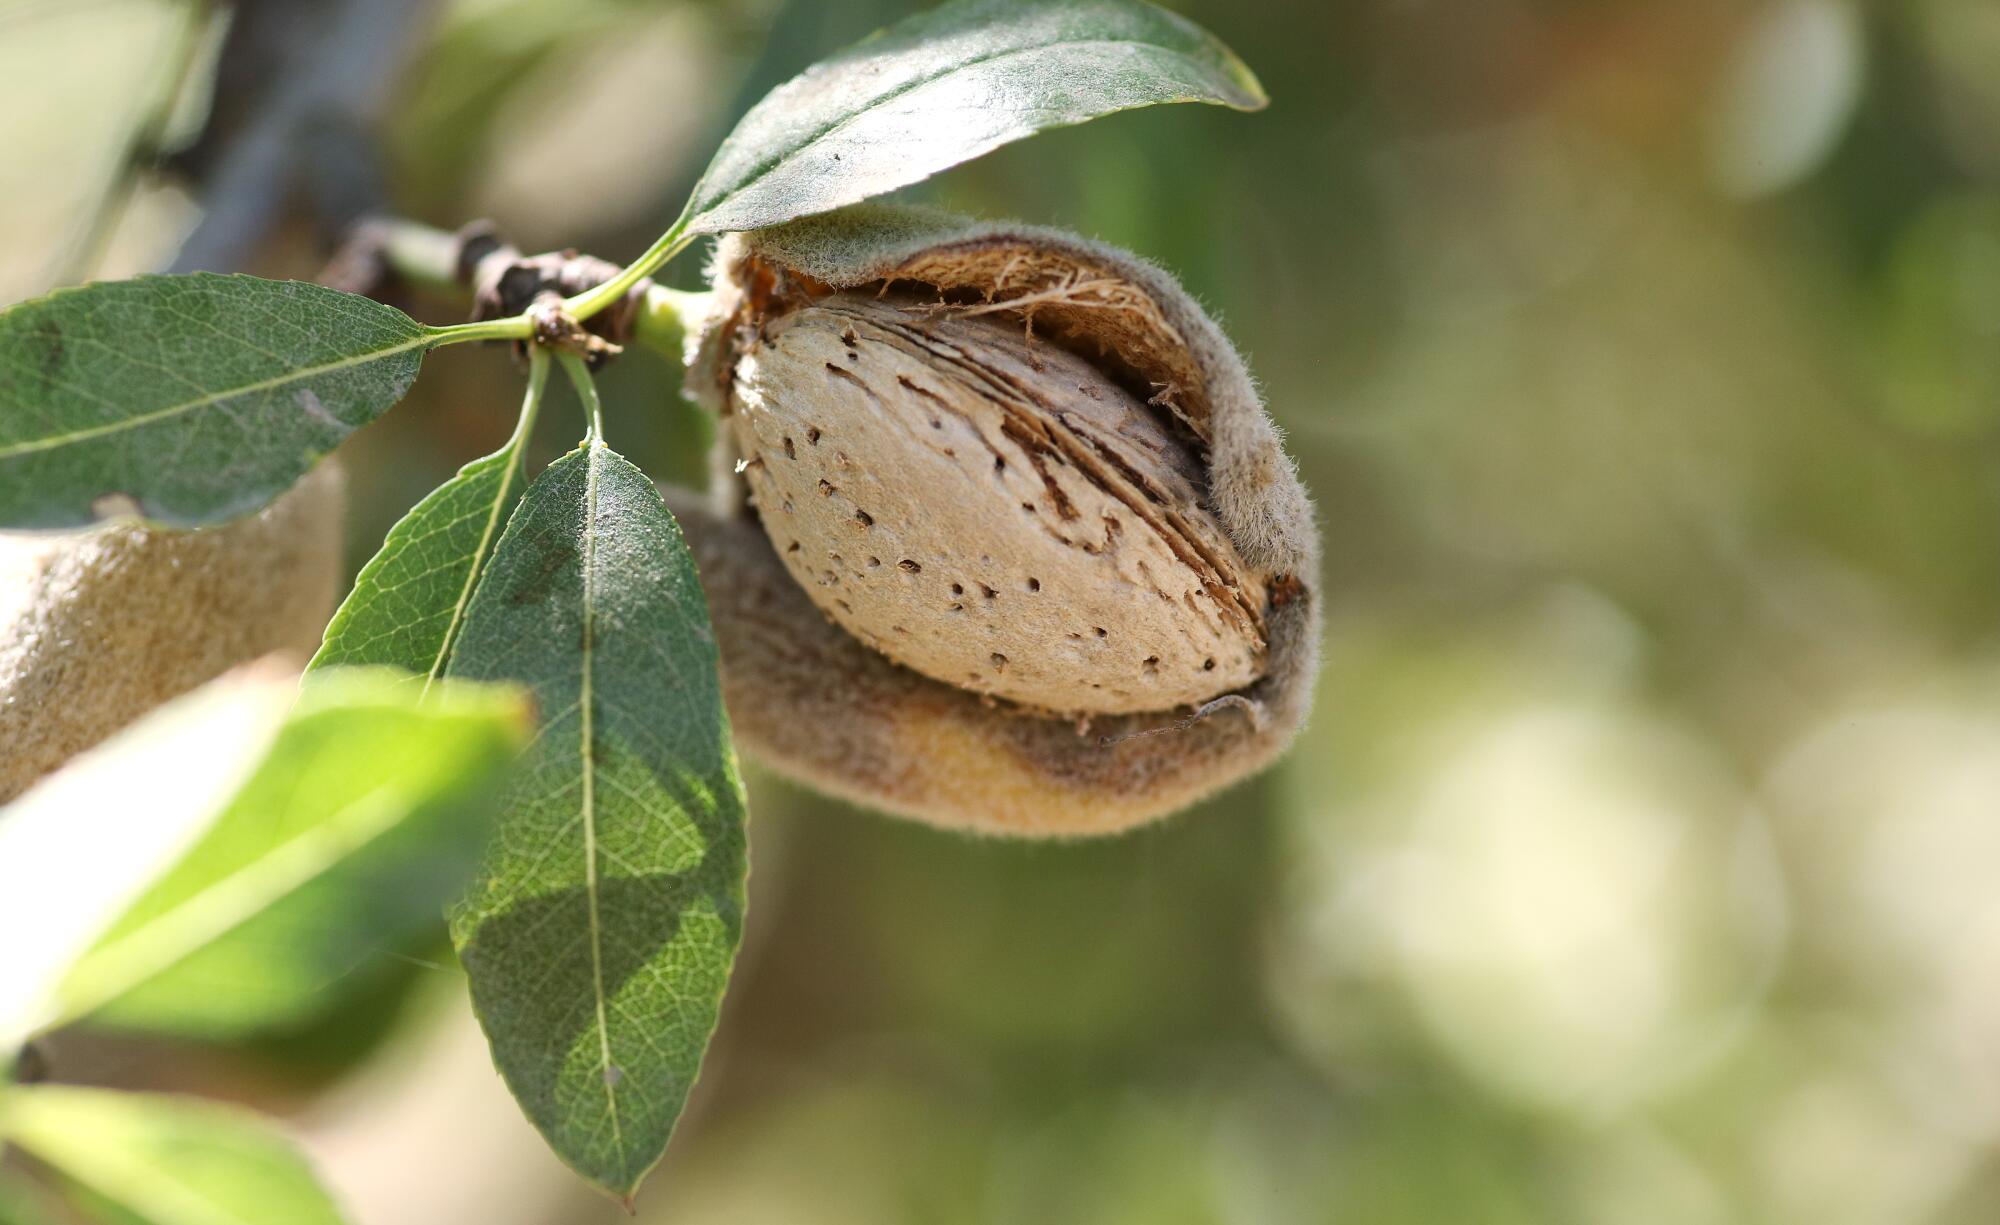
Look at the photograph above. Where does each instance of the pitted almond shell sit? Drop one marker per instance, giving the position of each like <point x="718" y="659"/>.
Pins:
<point x="810" y="699"/>
<point x="990" y="510"/>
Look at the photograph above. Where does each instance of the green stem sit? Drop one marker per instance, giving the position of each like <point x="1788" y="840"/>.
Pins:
<point x="515" y="327"/>
<point x="586" y="390"/>
<point x="429" y="257"/>
<point x="665" y="317"/>
<point x="669" y="244"/>
<point x="531" y="403"/>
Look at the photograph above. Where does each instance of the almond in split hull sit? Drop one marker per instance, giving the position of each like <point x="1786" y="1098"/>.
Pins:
<point x="990" y="510"/>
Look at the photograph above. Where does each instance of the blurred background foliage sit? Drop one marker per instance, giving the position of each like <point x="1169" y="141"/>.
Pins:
<point x="1642" y="863"/>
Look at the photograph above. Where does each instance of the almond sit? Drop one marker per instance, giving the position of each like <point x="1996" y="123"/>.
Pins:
<point x="990" y="509"/>
<point x="99" y="627"/>
<point x="1071" y="383"/>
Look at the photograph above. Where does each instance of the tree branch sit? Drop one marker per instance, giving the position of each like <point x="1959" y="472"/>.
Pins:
<point x="498" y="280"/>
<point x="297" y="94"/>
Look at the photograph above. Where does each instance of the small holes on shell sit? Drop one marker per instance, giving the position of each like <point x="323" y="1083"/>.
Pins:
<point x="1080" y="516"/>
<point x="791" y="451"/>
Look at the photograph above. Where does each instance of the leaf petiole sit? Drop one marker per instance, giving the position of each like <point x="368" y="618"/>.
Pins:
<point x="515" y="327"/>
<point x="531" y="403"/>
<point x="586" y="390"/>
<point x="672" y="243"/>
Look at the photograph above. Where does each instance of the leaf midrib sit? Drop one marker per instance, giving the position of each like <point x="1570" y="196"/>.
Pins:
<point x="512" y="460"/>
<point x="176" y="410"/>
<point x="772" y="166"/>
<point x="588" y="729"/>
<point x="137" y="1186"/>
<point x="244" y="894"/>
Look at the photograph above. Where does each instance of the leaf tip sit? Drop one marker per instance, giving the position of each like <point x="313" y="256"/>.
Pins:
<point x="1253" y="96"/>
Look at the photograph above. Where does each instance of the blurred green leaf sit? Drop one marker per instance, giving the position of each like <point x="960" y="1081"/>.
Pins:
<point x="600" y="933"/>
<point x="944" y="87"/>
<point x="350" y="830"/>
<point x="409" y="601"/>
<point x="167" y="1160"/>
<point x="192" y="399"/>
<point x="207" y="743"/>
<point x="362" y="822"/>
<point x="22" y="1203"/>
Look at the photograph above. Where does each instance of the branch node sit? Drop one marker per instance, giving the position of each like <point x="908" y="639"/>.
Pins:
<point x="506" y="283"/>
<point x="556" y="328"/>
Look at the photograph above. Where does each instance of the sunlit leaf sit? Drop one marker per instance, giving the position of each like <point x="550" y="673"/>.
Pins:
<point x="272" y="875"/>
<point x="364" y="819"/>
<point x="600" y="931"/>
<point x="167" y="1160"/>
<point x="207" y="743"/>
<point x="187" y="399"/>
<point x="944" y="87"/>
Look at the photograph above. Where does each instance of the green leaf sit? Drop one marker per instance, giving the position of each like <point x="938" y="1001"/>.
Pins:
<point x="346" y="830"/>
<point x="186" y="399"/>
<point x="207" y="742"/>
<point x="365" y="819"/>
<point x="409" y="601"/>
<point x="602" y="926"/>
<point x="168" y="1160"/>
<point x="23" y="1203"/>
<point x="944" y="87"/>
